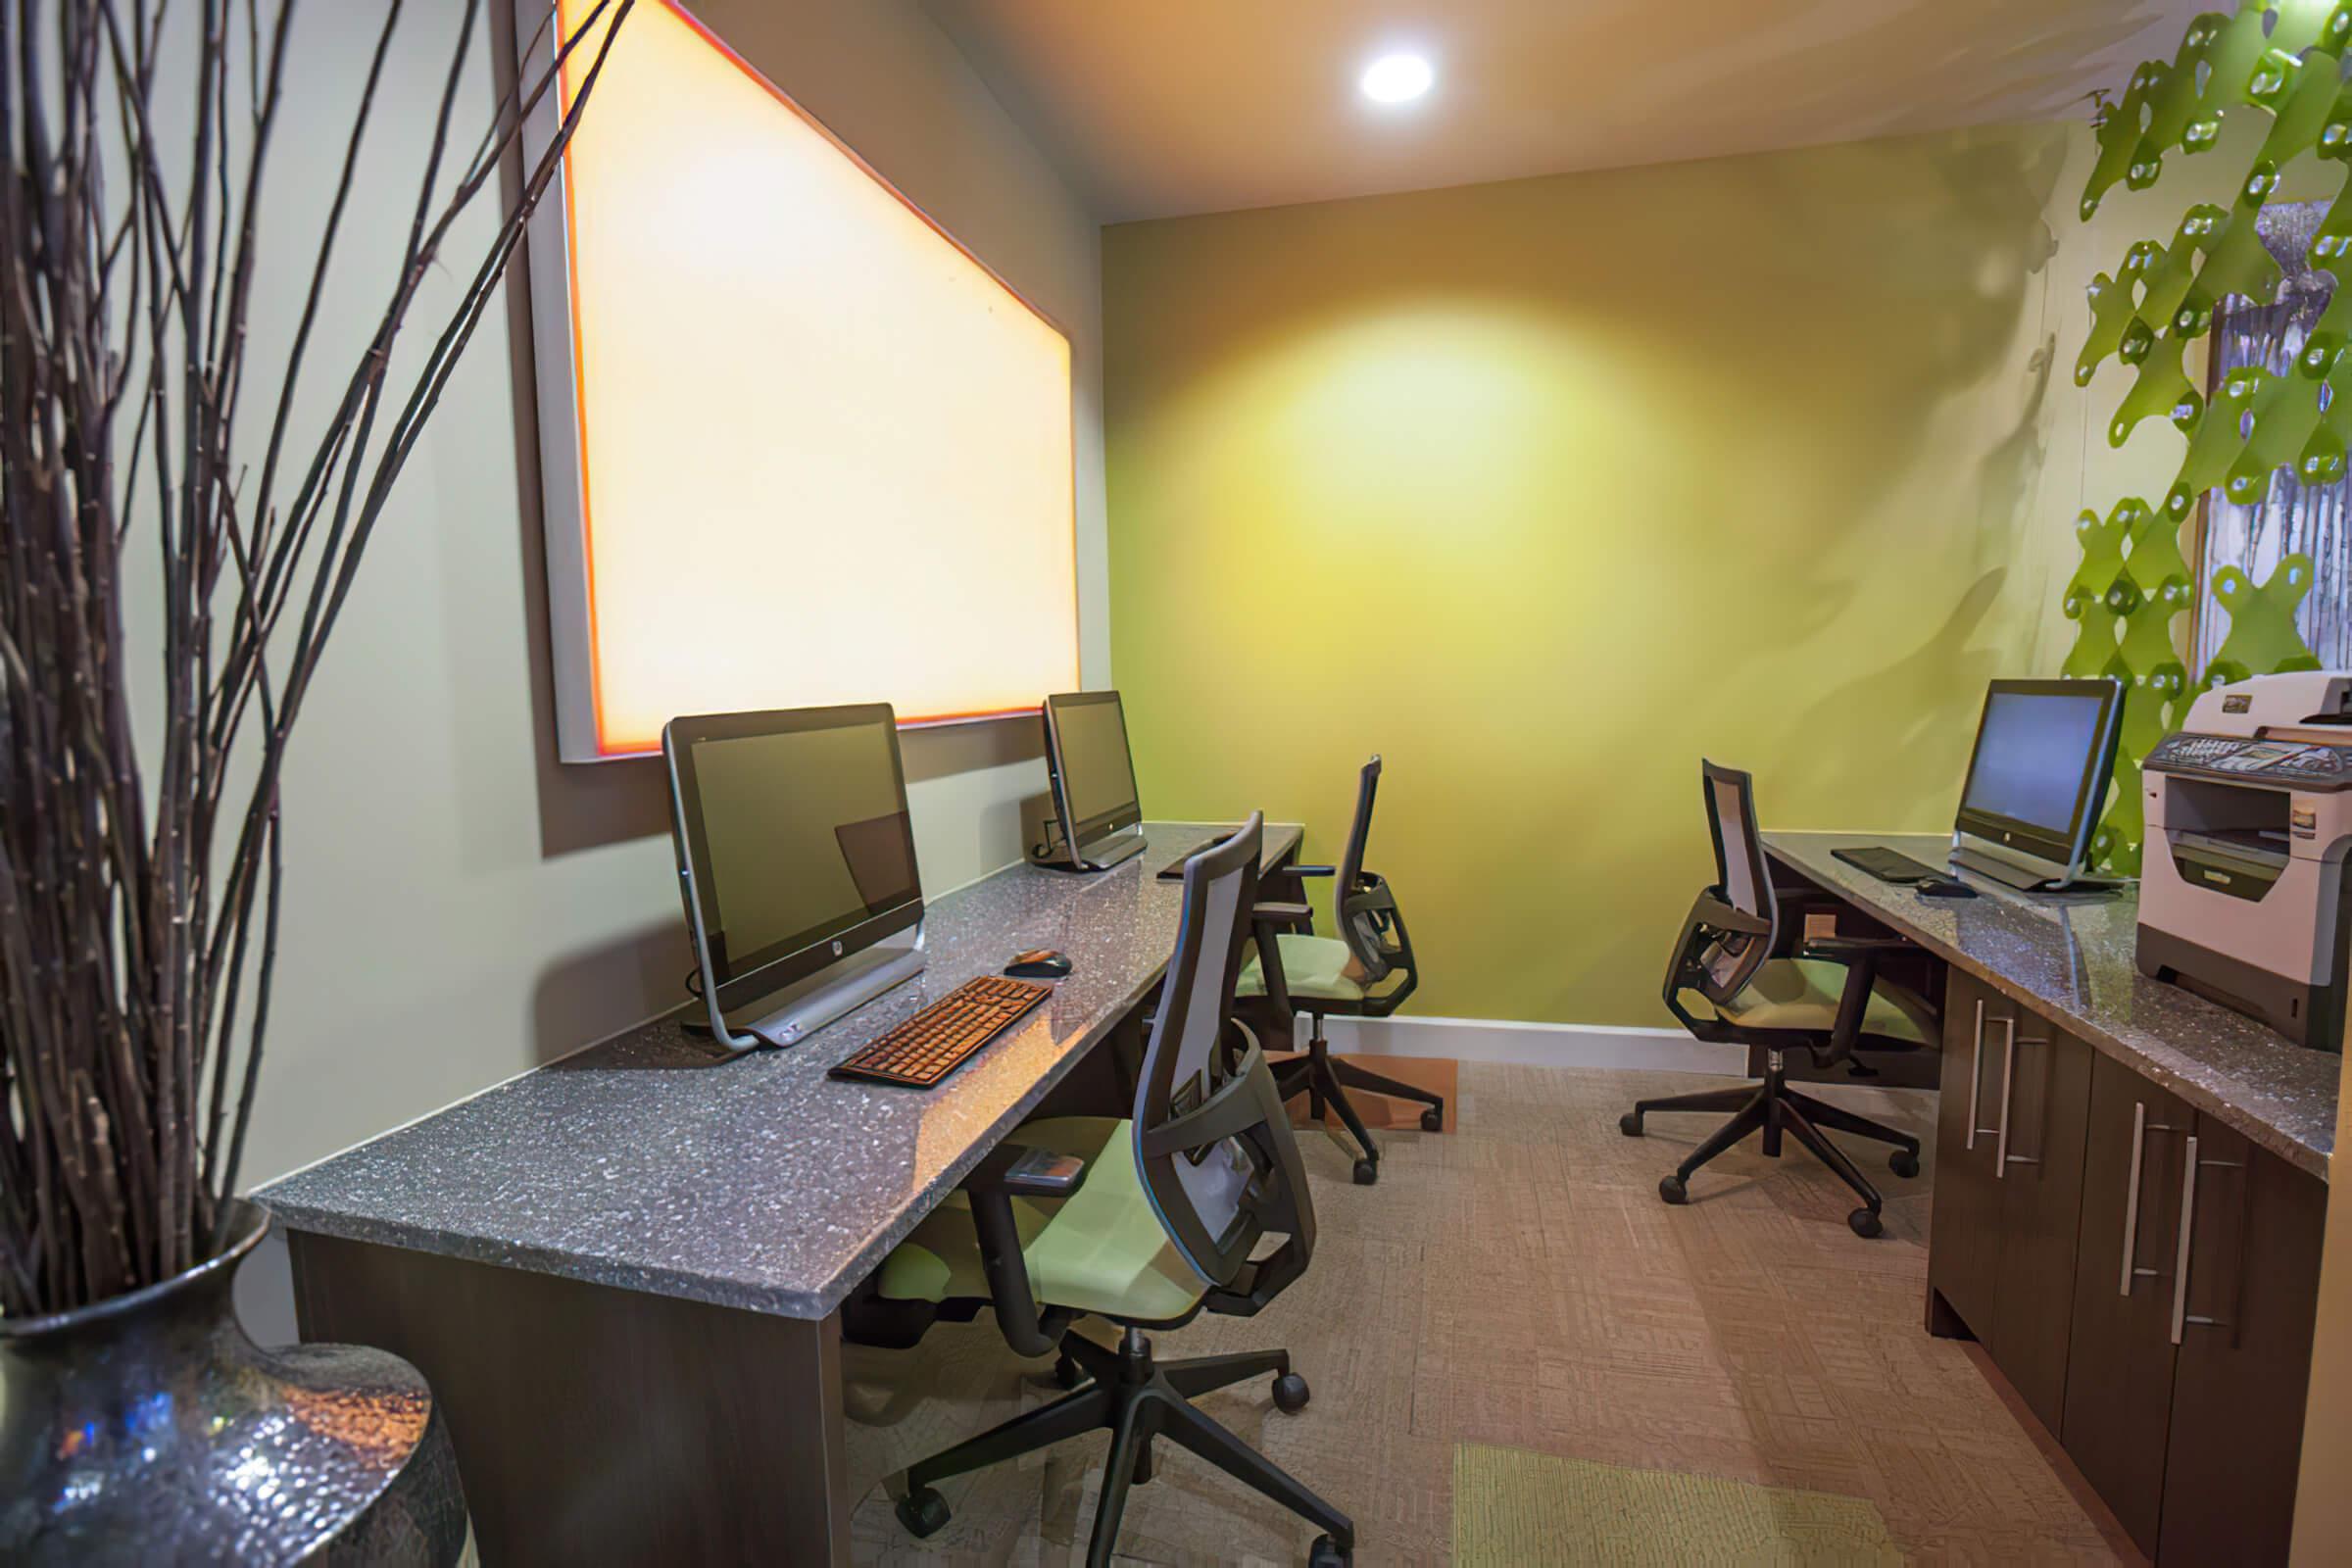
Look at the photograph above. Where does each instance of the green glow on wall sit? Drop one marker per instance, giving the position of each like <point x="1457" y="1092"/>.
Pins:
<point x="1544" y="521"/>
<point x="2284" y="61"/>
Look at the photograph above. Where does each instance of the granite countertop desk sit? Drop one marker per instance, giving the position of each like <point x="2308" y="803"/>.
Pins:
<point x="758" y="1181"/>
<point x="2070" y="958"/>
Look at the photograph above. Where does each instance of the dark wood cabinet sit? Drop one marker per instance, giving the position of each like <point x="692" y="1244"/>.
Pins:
<point x="2196" y="1284"/>
<point x="2168" y="1355"/>
<point x="2037" y="1165"/>
<point x="1964" y="1227"/>
<point x="2246" y="1291"/>
<point x="2014" y="1099"/>
<point x="2119" y="1392"/>
<point x="2142" y="1274"/>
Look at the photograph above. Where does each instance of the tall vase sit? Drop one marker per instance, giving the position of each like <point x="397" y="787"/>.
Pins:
<point x="149" y="1429"/>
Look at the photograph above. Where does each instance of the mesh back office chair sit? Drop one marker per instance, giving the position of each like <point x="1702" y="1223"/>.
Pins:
<point x="1780" y="1005"/>
<point x="1159" y="1225"/>
<point x="1310" y="973"/>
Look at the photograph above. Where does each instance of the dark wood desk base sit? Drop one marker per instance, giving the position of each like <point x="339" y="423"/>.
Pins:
<point x="596" y="1425"/>
<point x="601" y="1425"/>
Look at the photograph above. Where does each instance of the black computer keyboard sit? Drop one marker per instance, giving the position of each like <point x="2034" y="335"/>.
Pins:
<point x="938" y="1040"/>
<point x="1889" y="866"/>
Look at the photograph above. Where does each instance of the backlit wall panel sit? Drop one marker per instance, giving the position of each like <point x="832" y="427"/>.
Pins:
<point x="820" y="453"/>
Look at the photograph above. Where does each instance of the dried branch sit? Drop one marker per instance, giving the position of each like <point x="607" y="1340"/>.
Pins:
<point x="141" y="874"/>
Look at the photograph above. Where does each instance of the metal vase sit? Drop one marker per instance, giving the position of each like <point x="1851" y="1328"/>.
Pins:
<point x="149" y="1429"/>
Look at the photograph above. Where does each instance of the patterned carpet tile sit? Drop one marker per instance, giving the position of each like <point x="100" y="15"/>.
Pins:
<point x="1515" y="1287"/>
<point x="1515" y="1506"/>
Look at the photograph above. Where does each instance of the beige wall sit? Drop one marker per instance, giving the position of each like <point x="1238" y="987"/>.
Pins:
<point x="460" y="906"/>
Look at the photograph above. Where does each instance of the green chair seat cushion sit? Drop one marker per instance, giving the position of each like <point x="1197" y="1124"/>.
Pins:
<point x="1311" y="966"/>
<point x="1804" y="993"/>
<point x="1102" y="1249"/>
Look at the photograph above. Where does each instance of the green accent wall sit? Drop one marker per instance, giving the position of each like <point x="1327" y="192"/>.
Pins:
<point x="1546" y="488"/>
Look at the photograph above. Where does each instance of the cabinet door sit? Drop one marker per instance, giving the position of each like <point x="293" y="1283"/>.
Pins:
<point x="2244" y="1299"/>
<point x="2119" y="1385"/>
<point x="1964" y="1225"/>
<point x="2037" y="1165"/>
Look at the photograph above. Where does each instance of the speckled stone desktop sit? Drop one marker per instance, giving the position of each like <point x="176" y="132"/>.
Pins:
<point x="645" y="1162"/>
<point x="2070" y="958"/>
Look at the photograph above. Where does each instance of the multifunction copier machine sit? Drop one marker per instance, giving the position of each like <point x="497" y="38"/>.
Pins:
<point x="2241" y="884"/>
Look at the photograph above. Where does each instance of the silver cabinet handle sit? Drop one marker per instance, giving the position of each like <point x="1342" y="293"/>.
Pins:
<point x="2000" y="1162"/>
<point x="2188" y="1229"/>
<point x="2139" y="1142"/>
<point x="1976" y="1074"/>
<point x="2049" y="1065"/>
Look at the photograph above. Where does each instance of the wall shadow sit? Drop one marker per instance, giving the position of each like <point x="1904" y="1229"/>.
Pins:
<point x="1911" y="755"/>
<point x="578" y="996"/>
<point x="935" y="751"/>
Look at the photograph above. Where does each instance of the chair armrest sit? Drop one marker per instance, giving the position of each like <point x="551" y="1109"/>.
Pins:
<point x="1860" y="955"/>
<point x="1312" y="870"/>
<point x="1713" y="912"/>
<point x="1845" y="949"/>
<point x="1008" y="1172"/>
<point x="1026" y="1172"/>
<point x="1266" y="924"/>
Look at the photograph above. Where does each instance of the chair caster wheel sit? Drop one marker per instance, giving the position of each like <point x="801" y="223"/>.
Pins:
<point x="1671" y="1188"/>
<point x="1432" y="1120"/>
<point x="923" y="1511"/>
<point x="1630" y="1124"/>
<point x="1289" y="1393"/>
<point x="1325" y="1553"/>
<point x="1865" y="1222"/>
<point x="1367" y="1172"/>
<point x="1068" y="1372"/>
<point x="1903" y="1163"/>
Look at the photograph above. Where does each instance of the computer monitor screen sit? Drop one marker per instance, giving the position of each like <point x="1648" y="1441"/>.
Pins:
<point x="794" y="824"/>
<point x="1094" y="772"/>
<point x="2046" y="751"/>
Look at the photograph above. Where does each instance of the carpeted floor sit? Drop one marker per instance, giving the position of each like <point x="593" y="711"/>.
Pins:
<point x="1513" y="1310"/>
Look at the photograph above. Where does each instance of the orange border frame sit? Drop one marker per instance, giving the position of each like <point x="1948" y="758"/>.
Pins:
<point x="579" y="372"/>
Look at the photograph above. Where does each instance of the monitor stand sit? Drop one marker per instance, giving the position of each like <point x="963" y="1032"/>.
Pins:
<point x="2028" y="873"/>
<point x="787" y="1016"/>
<point x="1095" y="855"/>
<point x="1111" y="848"/>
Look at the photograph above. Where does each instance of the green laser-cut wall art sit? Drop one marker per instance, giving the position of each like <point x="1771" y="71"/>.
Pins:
<point x="2285" y="61"/>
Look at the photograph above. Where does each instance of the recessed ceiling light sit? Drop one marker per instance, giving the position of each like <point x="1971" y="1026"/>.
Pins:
<point x="1396" y="78"/>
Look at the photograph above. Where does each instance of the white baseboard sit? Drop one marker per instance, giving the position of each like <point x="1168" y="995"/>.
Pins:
<point x="1531" y="1045"/>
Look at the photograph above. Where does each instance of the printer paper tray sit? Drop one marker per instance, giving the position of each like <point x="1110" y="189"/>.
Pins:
<point x="2243" y="851"/>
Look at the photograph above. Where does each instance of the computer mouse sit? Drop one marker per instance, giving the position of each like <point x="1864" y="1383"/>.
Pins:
<point x="1039" y="963"/>
<point x="1945" y="888"/>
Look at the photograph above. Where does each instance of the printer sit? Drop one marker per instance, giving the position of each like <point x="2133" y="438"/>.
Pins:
<point x="2242" y="888"/>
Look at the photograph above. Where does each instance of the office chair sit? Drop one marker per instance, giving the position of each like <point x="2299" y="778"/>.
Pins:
<point x="1308" y="973"/>
<point x="1780" y="1005"/>
<point x="1158" y="1225"/>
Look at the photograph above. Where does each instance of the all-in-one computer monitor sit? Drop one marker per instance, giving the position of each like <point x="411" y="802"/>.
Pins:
<point x="2045" y="752"/>
<point x="1093" y="774"/>
<point x="796" y="857"/>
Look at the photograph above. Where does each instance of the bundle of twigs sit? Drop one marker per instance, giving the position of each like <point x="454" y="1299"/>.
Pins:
<point x="140" y="872"/>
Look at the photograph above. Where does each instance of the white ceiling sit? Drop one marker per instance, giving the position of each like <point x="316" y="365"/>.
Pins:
<point x="1161" y="107"/>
